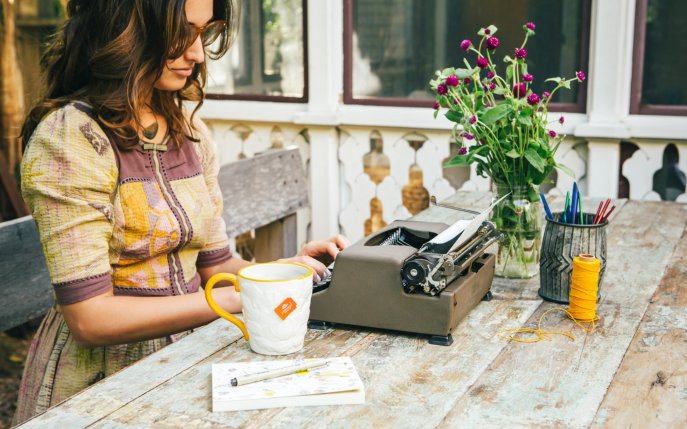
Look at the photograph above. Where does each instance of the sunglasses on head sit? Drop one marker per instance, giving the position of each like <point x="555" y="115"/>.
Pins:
<point x="208" y="33"/>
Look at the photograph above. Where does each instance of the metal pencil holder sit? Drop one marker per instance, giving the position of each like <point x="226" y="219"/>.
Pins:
<point x="561" y="243"/>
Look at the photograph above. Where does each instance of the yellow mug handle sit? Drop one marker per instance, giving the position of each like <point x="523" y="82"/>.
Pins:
<point x="219" y="310"/>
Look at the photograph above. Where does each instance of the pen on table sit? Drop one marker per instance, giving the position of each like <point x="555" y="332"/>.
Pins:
<point x="546" y="206"/>
<point x="266" y="375"/>
<point x="573" y="203"/>
<point x="605" y="218"/>
<point x="598" y="212"/>
<point x="603" y="210"/>
<point x="565" y="209"/>
<point x="579" y="207"/>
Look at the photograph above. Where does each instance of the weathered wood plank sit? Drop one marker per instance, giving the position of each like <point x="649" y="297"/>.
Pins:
<point x="412" y="397"/>
<point x="24" y="280"/>
<point x="262" y="189"/>
<point x="112" y="393"/>
<point x="562" y="383"/>
<point x="276" y="240"/>
<point x="650" y="388"/>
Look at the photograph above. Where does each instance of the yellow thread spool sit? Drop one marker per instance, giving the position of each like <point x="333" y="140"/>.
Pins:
<point x="584" y="286"/>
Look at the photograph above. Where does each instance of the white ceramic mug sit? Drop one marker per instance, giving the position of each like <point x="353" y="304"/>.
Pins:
<point x="276" y="305"/>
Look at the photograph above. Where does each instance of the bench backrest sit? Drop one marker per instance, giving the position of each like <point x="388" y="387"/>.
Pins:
<point x="259" y="192"/>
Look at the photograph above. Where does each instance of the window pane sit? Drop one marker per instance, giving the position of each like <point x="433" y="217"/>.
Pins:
<point x="665" y="58"/>
<point x="398" y="44"/>
<point x="267" y="58"/>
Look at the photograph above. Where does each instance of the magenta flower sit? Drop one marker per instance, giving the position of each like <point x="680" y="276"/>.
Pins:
<point x="520" y="53"/>
<point x="465" y="45"/>
<point x="441" y="89"/>
<point x="533" y="99"/>
<point x="487" y="31"/>
<point x="552" y="133"/>
<point x="492" y="86"/>
<point x="546" y="94"/>
<point x="467" y="81"/>
<point x="490" y="74"/>
<point x="519" y="90"/>
<point x="527" y="77"/>
<point x="436" y="106"/>
<point x="482" y="141"/>
<point x="455" y="101"/>
<point x="473" y="119"/>
<point x="492" y="43"/>
<point x="561" y="120"/>
<point x="462" y="151"/>
<point x="452" y="80"/>
<point x="581" y="76"/>
<point x="482" y="62"/>
<point x="468" y="136"/>
<point x="530" y="25"/>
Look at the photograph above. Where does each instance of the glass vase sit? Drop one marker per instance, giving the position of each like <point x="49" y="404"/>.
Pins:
<point x="518" y="217"/>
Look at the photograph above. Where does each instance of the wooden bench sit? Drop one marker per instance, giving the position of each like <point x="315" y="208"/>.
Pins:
<point x="262" y="193"/>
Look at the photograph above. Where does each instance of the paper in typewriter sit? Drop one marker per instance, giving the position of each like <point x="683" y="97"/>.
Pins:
<point x="335" y="383"/>
<point x="466" y="228"/>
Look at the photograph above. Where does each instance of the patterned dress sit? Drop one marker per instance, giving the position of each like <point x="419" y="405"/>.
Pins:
<point x="134" y="222"/>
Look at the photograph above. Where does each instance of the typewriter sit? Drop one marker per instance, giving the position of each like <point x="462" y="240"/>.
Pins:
<point x="412" y="276"/>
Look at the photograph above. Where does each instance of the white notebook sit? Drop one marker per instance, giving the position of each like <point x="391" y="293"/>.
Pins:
<point x="336" y="383"/>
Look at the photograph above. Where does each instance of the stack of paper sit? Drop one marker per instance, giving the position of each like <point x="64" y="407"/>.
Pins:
<point x="335" y="383"/>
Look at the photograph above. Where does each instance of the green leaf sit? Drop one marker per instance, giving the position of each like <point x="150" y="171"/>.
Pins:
<point x="513" y="154"/>
<point x="523" y="67"/>
<point x="448" y="72"/>
<point x="507" y="59"/>
<point x="454" y="116"/>
<point x="537" y="161"/>
<point x="463" y="73"/>
<point x="493" y="29"/>
<point x="553" y="79"/>
<point x="509" y="73"/>
<point x="436" y="113"/>
<point x="565" y="83"/>
<point x="525" y="119"/>
<point x="498" y="91"/>
<point x="494" y="114"/>
<point x="566" y="170"/>
<point x="458" y="161"/>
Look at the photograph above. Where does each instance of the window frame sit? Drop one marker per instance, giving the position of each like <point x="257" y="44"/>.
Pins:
<point x="348" y="98"/>
<point x="636" y="106"/>
<point x="274" y="98"/>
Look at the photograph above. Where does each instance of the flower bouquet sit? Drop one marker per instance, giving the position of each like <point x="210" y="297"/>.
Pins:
<point x="503" y="128"/>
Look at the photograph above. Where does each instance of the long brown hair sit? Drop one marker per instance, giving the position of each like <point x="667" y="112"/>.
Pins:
<point x="109" y="54"/>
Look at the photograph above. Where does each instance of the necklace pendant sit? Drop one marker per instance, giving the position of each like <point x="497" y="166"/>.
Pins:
<point x="150" y="131"/>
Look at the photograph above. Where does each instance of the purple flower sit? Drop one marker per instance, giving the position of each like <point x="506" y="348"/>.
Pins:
<point x="462" y="151"/>
<point x="455" y="101"/>
<point x="561" y="120"/>
<point x="468" y="136"/>
<point x="490" y="74"/>
<point x="552" y="133"/>
<point x="467" y="81"/>
<point x="487" y="31"/>
<point x="482" y="62"/>
<point x="581" y="76"/>
<point x="465" y="45"/>
<point x="492" y="43"/>
<point x="452" y="80"/>
<point x="530" y="25"/>
<point x="533" y="99"/>
<point x="485" y="88"/>
<point x="482" y="141"/>
<point x="441" y="89"/>
<point x="519" y="90"/>
<point x="527" y="77"/>
<point x="546" y="94"/>
<point x="436" y="106"/>
<point x="473" y="119"/>
<point x="520" y="53"/>
<point x="492" y="86"/>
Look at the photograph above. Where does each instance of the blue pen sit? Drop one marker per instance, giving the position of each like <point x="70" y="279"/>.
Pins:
<point x="573" y="203"/>
<point x="566" y="207"/>
<point x="546" y="206"/>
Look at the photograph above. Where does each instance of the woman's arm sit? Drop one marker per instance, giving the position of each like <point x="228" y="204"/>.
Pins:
<point x="107" y="319"/>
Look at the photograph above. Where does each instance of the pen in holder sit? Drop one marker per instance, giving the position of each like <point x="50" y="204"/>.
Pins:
<point x="561" y="243"/>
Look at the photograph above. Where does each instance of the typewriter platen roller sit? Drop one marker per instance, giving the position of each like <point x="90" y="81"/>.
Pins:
<point x="399" y="279"/>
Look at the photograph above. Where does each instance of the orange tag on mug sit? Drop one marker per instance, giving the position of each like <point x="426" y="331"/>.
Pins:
<point x="285" y="308"/>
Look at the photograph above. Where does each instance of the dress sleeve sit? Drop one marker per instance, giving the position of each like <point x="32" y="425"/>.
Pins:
<point x="216" y="248"/>
<point x="69" y="178"/>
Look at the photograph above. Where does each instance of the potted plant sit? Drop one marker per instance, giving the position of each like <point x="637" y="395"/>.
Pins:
<point x="503" y="128"/>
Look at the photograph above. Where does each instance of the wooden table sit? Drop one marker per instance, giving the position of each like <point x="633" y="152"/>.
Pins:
<point x="631" y="372"/>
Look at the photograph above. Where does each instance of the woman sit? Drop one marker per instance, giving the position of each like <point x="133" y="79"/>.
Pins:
<point x="122" y="183"/>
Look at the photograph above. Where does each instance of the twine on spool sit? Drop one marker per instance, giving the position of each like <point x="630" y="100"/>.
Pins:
<point x="584" y="286"/>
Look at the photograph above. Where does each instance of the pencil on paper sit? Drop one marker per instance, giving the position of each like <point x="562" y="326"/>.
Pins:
<point x="266" y="375"/>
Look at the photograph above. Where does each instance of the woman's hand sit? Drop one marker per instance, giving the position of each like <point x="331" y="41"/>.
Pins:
<point x="318" y="254"/>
